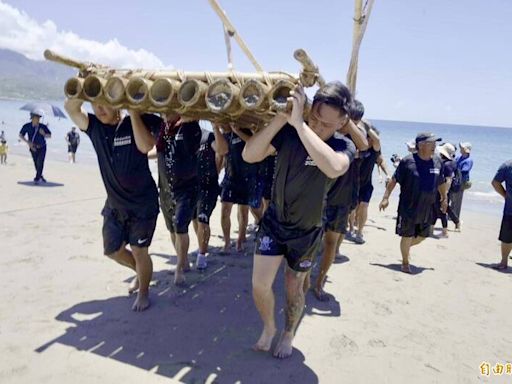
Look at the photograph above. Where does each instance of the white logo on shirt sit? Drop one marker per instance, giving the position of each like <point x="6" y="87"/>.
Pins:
<point x="120" y="141"/>
<point x="179" y="136"/>
<point x="142" y="241"/>
<point x="434" y="170"/>
<point x="265" y="243"/>
<point x="236" y="140"/>
<point x="310" y="161"/>
<point x="305" y="264"/>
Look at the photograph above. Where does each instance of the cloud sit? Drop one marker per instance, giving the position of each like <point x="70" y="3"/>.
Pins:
<point x="21" y="33"/>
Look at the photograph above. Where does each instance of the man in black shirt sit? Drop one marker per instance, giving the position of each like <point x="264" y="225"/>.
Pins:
<point x="73" y="140"/>
<point x="213" y="145"/>
<point x="420" y="176"/>
<point x="131" y="208"/>
<point x="309" y="158"/>
<point x="372" y="157"/>
<point x="37" y="134"/>
<point x="238" y="185"/>
<point x="177" y="146"/>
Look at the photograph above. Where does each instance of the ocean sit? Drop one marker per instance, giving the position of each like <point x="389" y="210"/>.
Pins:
<point x="491" y="146"/>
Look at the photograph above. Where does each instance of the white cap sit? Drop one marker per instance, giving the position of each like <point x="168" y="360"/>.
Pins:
<point x="466" y="145"/>
<point x="38" y="112"/>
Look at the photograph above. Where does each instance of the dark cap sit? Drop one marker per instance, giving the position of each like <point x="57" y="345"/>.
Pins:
<point x="427" y="136"/>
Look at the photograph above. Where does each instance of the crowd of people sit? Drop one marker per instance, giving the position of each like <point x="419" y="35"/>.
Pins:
<point x="307" y="184"/>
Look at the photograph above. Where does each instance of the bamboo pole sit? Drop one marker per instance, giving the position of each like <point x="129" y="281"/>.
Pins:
<point x="231" y="28"/>
<point x="361" y="17"/>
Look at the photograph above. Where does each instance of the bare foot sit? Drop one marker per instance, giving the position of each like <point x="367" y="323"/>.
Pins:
<point x="179" y="277"/>
<point x="501" y="267"/>
<point x="240" y="245"/>
<point x="406" y="268"/>
<point x="284" y="347"/>
<point x="227" y="248"/>
<point x="186" y="266"/>
<point x="134" y="286"/>
<point x="141" y="302"/>
<point x="320" y="294"/>
<point x="265" y="341"/>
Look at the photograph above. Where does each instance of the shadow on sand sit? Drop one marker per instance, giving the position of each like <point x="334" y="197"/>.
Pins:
<point x="202" y="332"/>
<point x="48" y="184"/>
<point x="398" y="268"/>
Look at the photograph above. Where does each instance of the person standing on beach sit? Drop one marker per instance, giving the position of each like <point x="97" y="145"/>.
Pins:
<point x="461" y="181"/>
<point x="447" y="153"/>
<point x="310" y="156"/>
<point x="420" y="176"/>
<point x="504" y="175"/>
<point x="36" y="134"/>
<point x="131" y="208"/>
<point x="338" y="203"/>
<point x="238" y="186"/>
<point x="4" y="149"/>
<point x="213" y="145"/>
<point x="73" y="140"/>
<point x="177" y="147"/>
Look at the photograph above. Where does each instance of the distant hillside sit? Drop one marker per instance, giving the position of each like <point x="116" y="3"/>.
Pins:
<point x="22" y="78"/>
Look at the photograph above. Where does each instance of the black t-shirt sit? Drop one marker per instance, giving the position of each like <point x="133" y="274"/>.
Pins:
<point x="208" y="175"/>
<point x="237" y="170"/>
<point x="341" y="192"/>
<point x="368" y="162"/>
<point x="180" y="145"/>
<point x="33" y="134"/>
<point x="449" y="168"/>
<point x="419" y="180"/>
<point x="73" y="138"/>
<point x="124" y="169"/>
<point x="300" y="188"/>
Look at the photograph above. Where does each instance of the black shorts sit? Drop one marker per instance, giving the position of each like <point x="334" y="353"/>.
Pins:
<point x="236" y="192"/>
<point x="206" y="201"/>
<point x="119" y="228"/>
<point x="355" y="195"/>
<point x="72" y="148"/>
<point x="506" y="229"/>
<point x="167" y="205"/>
<point x="256" y="193"/>
<point x="406" y="227"/>
<point x="335" y="218"/>
<point x="298" y="247"/>
<point x="365" y="193"/>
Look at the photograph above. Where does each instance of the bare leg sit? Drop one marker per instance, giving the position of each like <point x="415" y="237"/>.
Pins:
<point x="195" y="225"/>
<point x="203" y="237"/>
<point x="294" y="281"/>
<point x="124" y="257"/>
<point x="362" y="216"/>
<point x="257" y="213"/>
<point x="266" y="203"/>
<point x="263" y="275"/>
<point x="506" y="248"/>
<point x="144" y="267"/>
<point x="351" y="220"/>
<point x="330" y="242"/>
<point x="405" y="247"/>
<point x="182" y="243"/>
<point x="225" y="220"/>
<point x="338" y="244"/>
<point x="243" y="219"/>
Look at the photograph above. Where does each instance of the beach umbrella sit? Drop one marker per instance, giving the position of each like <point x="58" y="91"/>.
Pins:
<point x="47" y="108"/>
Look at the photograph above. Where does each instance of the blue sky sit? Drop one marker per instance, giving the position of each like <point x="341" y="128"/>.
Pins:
<point x="435" y="61"/>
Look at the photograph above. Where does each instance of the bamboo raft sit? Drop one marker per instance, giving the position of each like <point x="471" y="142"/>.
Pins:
<point x="250" y="99"/>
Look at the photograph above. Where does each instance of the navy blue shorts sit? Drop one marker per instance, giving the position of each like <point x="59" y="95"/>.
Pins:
<point x="335" y="218"/>
<point x="178" y="208"/>
<point x="365" y="193"/>
<point x="506" y="229"/>
<point x="298" y="247"/>
<point x="119" y="228"/>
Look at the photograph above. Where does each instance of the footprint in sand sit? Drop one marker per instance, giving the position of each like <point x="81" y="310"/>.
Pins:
<point x="376" y="343"/>
<point x="381" y="309"/>
<point x="343" y="345"/>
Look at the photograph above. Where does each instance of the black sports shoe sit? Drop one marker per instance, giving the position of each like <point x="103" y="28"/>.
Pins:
<point x="43" y="179"/>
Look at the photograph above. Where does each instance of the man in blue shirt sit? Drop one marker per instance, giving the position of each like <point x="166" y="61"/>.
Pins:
<point x="504" y="175"/>
<point x="36" y="134"/>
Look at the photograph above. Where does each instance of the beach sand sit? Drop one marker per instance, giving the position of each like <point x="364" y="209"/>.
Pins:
<point x="66" y="314"/>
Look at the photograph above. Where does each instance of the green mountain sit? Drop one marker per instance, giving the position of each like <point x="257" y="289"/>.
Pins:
<point x="22" y="78"/>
